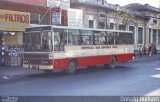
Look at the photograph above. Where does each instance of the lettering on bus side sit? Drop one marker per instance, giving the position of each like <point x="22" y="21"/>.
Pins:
<point x="87" y="47"/>
<point x="105" y="47"/>
<point x="114" y="46"/>
<point x="97" y="47"/>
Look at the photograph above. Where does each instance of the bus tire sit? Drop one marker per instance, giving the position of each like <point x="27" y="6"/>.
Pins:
<point x="72" y="67"/>
<point x="112" y="62"/>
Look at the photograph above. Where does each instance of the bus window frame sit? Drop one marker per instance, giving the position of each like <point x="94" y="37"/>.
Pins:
<point x="41" y="32"/>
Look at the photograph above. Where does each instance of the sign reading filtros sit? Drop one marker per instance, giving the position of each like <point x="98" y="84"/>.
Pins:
<point x="13" y="20"/>
<point x="17" y="18"/>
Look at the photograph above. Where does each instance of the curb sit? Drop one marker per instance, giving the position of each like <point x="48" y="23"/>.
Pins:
<point x="146" y="59"/>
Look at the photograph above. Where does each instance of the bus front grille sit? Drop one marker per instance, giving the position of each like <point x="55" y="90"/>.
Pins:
<point x="36" y="59"/>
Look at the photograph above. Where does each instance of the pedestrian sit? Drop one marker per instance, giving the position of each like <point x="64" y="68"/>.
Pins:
<point x="155" y="49"/>
<point x="140" y="50"/>
<point x="150" y="50"/>
<point x="144" y="50"/>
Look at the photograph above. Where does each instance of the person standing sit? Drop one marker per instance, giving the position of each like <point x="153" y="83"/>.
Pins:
<point x="140" y="50"/>
<point x="150" y="50"/>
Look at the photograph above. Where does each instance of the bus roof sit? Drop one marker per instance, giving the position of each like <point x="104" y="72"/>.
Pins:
<point x="51" y="27"/>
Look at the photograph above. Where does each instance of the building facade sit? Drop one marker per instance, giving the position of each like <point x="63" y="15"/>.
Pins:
<point x="143" y="20"/>
<point x="15" y="16"/>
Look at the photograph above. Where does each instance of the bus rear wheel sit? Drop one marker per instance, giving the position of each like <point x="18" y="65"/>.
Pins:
<point x="112" y="63"/>
<point x="72" y="67"/>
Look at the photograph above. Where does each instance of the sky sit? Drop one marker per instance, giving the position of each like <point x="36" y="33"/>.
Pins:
<point x="154" y="3"/>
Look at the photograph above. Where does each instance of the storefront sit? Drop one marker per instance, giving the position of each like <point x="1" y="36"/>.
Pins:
<point x="12" y="26"/>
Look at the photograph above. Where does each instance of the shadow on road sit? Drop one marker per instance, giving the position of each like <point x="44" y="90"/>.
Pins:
<point x="62" y="74"/>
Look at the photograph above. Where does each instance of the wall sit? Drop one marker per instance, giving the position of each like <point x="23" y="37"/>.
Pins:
<point x="32" y="2"/>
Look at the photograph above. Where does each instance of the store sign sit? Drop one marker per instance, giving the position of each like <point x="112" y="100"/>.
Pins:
<point x="53" y="3"/>
<point x="13" y="20"/>
<point x="56" y="16"/>
<point x="75" y="18"/>
<point x="63" y="4"/>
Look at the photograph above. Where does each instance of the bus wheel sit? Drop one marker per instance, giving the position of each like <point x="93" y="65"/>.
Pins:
<point x="71" y="67"/>
<point x="112" y="63"/>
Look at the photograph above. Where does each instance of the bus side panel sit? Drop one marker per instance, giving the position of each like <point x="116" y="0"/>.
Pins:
<point x="82" y="61"/>
<point x="60" y="63"/>
<point x="91" y="61"/>
<point x="124" y="57"/>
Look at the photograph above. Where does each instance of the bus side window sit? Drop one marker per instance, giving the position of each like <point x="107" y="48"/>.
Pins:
<point x="74" y="37"/>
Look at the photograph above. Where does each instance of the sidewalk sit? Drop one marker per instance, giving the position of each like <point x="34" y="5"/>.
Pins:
<point x="8" y="72"/>
<point x="146" y="57"/>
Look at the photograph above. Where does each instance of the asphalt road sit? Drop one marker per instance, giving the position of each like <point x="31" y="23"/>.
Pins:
<point x="127" y="79"/>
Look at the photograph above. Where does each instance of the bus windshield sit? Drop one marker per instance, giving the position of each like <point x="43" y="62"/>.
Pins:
<point x="38" y="41"/>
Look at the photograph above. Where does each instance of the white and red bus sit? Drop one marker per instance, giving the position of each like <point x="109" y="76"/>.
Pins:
<point x="66" y="48"/>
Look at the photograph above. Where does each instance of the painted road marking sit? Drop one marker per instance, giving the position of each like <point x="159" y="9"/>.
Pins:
<point x="154" y="93"/>
<point x="158" y="69"/>
<point x="156" y="76"/>
<point x="5" y="77"/>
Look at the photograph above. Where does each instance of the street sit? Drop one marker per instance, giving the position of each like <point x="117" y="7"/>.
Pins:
<point x="127" y="79"/>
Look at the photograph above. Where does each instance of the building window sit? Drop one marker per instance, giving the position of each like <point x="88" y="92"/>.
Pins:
<point x="140" y="35"/>
<point x="122" y="27"/>
<point x="159" y="37"/>
<point x="111" y="26"/>
<point x="154" y="36"/>
<point x="102" y="15"/>
<point x="38" y="18"/>
<point x="91" y="24"/>
<point x="150" y="35"/>
<point x="154" y="21"/>
<point x="101" y="25"/>
<point x="132" y="28"/>
<point x="102" y="2"/>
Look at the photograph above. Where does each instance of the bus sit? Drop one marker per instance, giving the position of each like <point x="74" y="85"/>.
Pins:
<point x="52" y="48"/>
